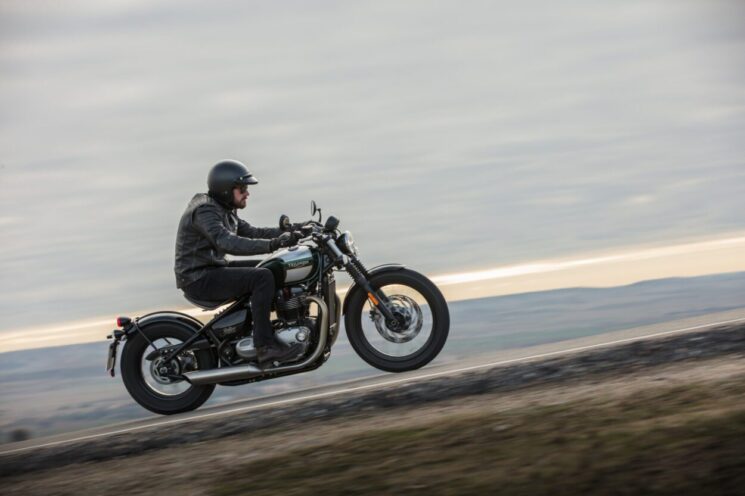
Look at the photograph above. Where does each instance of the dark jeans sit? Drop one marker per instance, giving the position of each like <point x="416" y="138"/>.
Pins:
<point x="232" y="282"/>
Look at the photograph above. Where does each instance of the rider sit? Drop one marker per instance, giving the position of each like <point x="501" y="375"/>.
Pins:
<point x="211" y="228"/>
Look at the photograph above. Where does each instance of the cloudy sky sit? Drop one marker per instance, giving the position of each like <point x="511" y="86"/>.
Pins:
<point x="450" y="136"/>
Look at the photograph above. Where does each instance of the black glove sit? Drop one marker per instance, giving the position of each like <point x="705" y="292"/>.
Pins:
<point x="298" y="226"/>
<point x="283" y="241"/>
<point x="305" y="228"/>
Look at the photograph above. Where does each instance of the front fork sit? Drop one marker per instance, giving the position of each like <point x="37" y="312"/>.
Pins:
<point x="377" y="298"/>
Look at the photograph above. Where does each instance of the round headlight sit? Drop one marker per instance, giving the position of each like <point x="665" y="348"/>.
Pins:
<point x="346" y="243"/>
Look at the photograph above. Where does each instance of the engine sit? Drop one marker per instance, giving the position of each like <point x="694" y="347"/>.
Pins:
<point x="292" y="326"/>
<point x="289" y="303"/>
<point x="289" y="335"/>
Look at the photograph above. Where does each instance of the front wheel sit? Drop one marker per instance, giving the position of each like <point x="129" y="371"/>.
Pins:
<point x="418" y="303"/>
<point x="152" y="383"/>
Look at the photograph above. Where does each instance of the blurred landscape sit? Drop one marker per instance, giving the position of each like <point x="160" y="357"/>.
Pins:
<point x="53" y="390"/>
<point x="666" y="434"/>
<point x="663" y="415"/>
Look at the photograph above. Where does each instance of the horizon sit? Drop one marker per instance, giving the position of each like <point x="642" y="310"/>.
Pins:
<point x="610" y="269"/>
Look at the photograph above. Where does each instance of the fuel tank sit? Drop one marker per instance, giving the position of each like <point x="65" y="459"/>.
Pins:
<point x="292" y="265"/>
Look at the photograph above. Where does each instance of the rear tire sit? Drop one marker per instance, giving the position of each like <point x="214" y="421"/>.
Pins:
<point x="133" y="358"/>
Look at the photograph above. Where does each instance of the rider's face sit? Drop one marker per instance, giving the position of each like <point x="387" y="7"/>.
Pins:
<point x="240" y="195"/>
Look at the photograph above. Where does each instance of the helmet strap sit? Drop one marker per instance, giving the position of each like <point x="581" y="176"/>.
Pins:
<point x="229" y="205"/>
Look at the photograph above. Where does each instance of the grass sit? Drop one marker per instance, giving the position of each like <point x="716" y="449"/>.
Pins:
<point x="682" y="440"/>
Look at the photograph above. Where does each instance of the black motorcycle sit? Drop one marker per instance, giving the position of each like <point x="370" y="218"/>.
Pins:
<point x="396" y="320"/>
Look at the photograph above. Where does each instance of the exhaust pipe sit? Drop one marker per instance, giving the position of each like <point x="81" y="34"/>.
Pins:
<point x="241" y="372"/>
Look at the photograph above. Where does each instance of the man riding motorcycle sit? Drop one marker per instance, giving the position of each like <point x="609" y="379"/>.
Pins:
<point x="209" y="229"/>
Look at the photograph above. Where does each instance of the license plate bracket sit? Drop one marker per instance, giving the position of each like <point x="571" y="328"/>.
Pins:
<point x="111" y="360"/>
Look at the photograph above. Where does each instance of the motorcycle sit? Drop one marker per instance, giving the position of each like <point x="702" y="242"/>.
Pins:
<point x="395" y="318"/>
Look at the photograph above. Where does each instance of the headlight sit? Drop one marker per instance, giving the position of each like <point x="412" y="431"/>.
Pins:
<point x="346" y="243"/>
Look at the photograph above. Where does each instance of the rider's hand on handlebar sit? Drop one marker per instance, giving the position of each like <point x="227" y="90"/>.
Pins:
<point x="284" y="240"/>
<point x="311" y="226"/>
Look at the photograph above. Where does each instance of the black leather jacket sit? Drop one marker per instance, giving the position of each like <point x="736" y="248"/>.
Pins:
<point x="208" y="230"/>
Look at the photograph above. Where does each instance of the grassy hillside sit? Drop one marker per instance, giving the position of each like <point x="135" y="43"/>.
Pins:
<point x="670" y="441"/>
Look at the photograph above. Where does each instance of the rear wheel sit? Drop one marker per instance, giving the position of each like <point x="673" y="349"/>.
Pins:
<point x="151" y="383"/>
<point x="420" y="306"/>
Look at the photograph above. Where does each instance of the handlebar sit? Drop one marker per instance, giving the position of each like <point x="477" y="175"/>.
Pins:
<point x="311" y="231"/>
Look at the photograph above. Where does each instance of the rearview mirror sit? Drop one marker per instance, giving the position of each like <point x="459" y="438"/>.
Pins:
<point x="313" y="209"/>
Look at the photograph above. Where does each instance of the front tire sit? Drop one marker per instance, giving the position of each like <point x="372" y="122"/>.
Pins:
<point x="401" y="350"/>
<point x="154" y="392"/>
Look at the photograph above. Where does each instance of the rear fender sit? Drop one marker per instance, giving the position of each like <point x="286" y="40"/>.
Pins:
<point x="380" y="269"/>
<point x="177" y="318"/>
<point x="170" y="317"/>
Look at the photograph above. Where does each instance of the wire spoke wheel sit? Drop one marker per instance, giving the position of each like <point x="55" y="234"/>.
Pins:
<point x="159" y="375"/>
<point x="416" y="334"/>
<point x="155" y="384"/>
<point x="411" y="306"/>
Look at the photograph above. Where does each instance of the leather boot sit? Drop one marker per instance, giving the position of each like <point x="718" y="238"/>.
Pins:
<point x="277" y="353"/>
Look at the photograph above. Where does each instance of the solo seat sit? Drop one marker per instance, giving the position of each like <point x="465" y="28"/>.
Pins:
<point x="207" y="305"/>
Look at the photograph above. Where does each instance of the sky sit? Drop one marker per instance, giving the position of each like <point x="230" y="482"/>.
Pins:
<point x="450" y="136"/>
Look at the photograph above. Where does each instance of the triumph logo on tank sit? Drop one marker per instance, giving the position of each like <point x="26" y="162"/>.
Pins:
<point x="299" y="263"/>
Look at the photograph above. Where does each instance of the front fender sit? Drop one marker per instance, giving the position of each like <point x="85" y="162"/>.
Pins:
<point x="392" y="267"/>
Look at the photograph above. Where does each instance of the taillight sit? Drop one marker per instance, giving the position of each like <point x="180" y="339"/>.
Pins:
<point x="123" y="321"/>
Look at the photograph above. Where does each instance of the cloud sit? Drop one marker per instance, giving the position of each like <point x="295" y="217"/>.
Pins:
<point x="640" y="200"/>
<point x="494" y="133"/>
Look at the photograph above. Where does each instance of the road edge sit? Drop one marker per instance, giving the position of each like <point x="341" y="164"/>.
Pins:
<point x="616" y="359"/>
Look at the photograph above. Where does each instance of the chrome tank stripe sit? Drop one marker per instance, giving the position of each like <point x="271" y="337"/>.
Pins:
<point x="298" y="263"/>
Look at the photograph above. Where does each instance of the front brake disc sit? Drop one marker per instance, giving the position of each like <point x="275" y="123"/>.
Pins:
<point x="412" y="315"/>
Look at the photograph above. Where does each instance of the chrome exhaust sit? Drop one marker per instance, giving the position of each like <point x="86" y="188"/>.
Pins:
<point x="242" y="372"/>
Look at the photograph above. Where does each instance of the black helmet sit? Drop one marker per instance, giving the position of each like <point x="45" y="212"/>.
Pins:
<point x="226" y="175"/>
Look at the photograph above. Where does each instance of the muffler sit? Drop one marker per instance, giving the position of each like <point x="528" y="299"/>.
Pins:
<point x="242" y="372"/>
